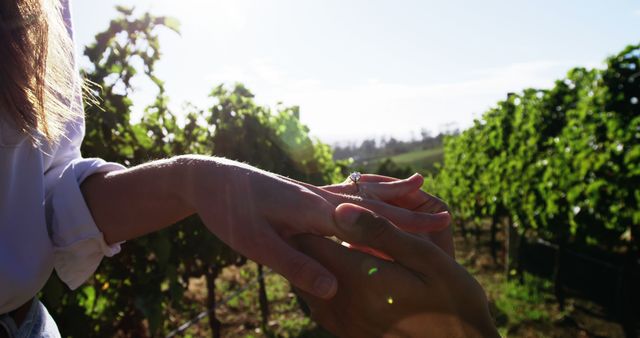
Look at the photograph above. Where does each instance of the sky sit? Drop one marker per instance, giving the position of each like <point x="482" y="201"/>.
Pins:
<point x="374" y="68"/>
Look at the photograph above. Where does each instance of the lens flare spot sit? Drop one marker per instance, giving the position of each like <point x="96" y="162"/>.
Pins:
<point x="390" y="300"/>
<point x="373" y="271"/>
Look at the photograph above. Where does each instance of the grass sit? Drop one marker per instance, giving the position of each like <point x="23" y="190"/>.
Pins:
<point x="422" y="160"/>
<point x="519" y="309"/>
<point x="240" y="316"/>
<point x="527" y="307"/>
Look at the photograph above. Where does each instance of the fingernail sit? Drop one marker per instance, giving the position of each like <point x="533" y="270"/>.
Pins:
<point x="414" y="177"/>
<point x="323" y="286"/>
<point x="444" y="217"/>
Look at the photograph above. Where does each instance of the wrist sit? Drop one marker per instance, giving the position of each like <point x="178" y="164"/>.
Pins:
<point x="197" y="174"/>
<point x="185" y="173"/>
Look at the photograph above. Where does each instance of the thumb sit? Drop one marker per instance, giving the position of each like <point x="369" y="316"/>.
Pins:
<point x="362" y="227"/>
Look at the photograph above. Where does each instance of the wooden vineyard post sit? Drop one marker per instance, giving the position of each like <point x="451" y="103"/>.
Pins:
<point x="558" y="275"/>
<point x="463" y="229"/>
<point x="507" y="231"/>
<point x="262" y="296"/>
<point x="477" y="229"/>
<point x="210" y="275"/>
<point x="494" y="243"/>
<point x="522" y="243"/>
<point x="625" y="295"/>
<point x="510" y="247"/>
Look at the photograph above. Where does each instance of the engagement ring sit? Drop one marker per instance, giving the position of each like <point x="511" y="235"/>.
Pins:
<point x="355" y="177"/>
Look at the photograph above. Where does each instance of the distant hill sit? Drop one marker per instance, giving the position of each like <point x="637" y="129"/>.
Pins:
<point x="395" y="157"/>
<point x="420" y="160"/>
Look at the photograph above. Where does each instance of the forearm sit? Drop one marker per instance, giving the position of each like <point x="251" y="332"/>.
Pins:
<point x="129" y="203"/>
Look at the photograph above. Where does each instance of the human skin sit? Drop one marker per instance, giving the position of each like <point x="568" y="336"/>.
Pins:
<point x="422" y="293"/>
<point x="415" y="200"/>
<point x="253" y="211"/>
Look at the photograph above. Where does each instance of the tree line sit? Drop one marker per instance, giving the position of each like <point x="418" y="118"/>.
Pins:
<point x="387" y="146"/>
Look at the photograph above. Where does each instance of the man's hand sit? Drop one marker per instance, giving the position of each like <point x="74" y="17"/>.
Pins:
<point x="423" y="293"/>
<point x="406" y="194"/>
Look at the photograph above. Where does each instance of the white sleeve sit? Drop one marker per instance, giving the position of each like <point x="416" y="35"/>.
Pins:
<point x="79" y="245"/>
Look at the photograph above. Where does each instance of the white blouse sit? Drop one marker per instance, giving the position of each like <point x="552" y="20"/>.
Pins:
<point x="44" y="220"/>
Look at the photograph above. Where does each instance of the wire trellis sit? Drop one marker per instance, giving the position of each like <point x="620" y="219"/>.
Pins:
<point x="206" y="312"/>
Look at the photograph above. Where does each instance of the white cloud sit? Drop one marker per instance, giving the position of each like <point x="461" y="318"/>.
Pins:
<point x="337" y="112"/>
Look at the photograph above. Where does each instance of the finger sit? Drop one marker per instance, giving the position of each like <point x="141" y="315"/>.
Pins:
<point x="348" y="187"/>
<point x="382" y="187"/>
<point x="379" y="178"/>
<point x="300" y="269"/>
<point x="341" y="188"/>
<point x="362" y="227"/>
<point x="412" y="200"/>
<point x="389" y="191"/>
<point x="316" y="217"/>
<point x="408" y="220"/>
<point x="427" y="202"/>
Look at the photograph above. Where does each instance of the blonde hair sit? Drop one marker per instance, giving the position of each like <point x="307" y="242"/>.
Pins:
<point x="37" y="69"/>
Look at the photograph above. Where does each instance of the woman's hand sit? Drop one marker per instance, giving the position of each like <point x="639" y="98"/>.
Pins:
<point x="423" y="293"/>
<point x="257" y="213"/>
<point x="405" y="194"/>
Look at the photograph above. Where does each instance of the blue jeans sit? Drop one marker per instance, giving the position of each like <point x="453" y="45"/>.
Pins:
<point x="37" y="324"/>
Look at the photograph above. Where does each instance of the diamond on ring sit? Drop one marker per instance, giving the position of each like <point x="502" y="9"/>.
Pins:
<point x="355" y="176"/>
